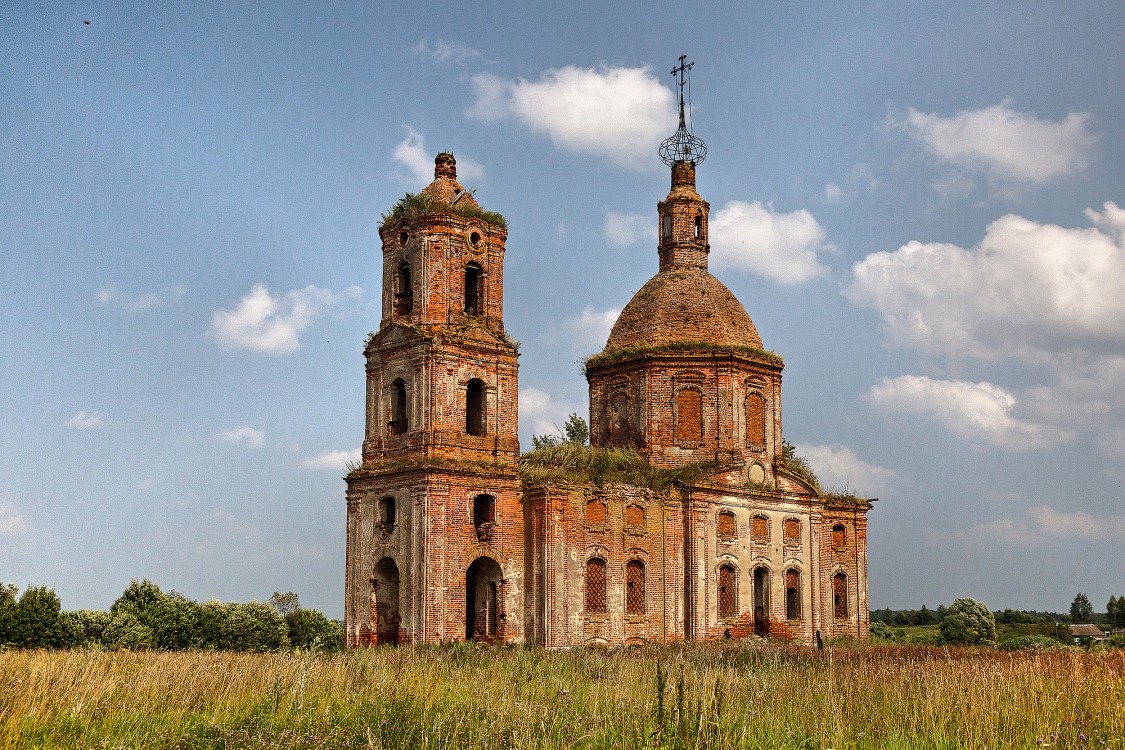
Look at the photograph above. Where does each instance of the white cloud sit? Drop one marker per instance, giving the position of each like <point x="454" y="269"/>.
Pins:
<point x="626" y="229"/>
<point x="442" y="51"/>
<point x="1004" y="143"/>
<point x="412" y="153"/>
<point x="977" y="411"/>
<point x="590" y="330"/>
<point x="545" y="415"/>
<point x="247" y="436"/>
<point x="616" y="112"/>
<point x="861" y="178"/>
<point x="833" y="193"/>
<point x="1028" y="290"/>
<point x="270" y="324"/>
<point x="86" y="420"/>
<point x="839" y="468"/>
<point x="12" y="522"/>
<point x="1045" y="524"/>
<point x="753" y="237"/>
<point x="331" y="460"/>
<point x="141" y="302"/>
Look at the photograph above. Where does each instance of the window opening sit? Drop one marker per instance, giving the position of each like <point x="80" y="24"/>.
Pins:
<point x="475" y="417"/>
<point x="635" y="587"/>
<point x="595" y="513"/>
<point x="840" y="594"/>
<point x="667" y="226"/>
<point x="387" y="511"/>
<point x="404" y="290"/>
<point x="399" y="422"/>
<point x="792" y="531"/>
<point x="726" y="526"/>
<point x="484" y="512"/>
<point x="698" y="227"/>
<point x="689" y="416"/>
<point x="634" y="517"/>
<point x="472" y="289"/>
<point x="839" y="536"/>
<point x="792" y="595"/>
<point x="595" y="585"/>
<point x="760" y="529"/>
<point x="728" y="594"/>
<point x="755" y="420"/>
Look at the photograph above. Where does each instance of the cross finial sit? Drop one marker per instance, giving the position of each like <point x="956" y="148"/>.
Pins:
<point x="680" y="74"/>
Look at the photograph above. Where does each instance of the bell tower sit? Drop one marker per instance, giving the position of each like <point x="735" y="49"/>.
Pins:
<point x="435" y="526"/>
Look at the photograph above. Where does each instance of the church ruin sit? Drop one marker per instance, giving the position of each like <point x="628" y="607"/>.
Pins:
<point x="448" y="541"/>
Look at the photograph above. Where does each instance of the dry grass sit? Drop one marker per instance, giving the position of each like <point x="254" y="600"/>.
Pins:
<point x="462" y="697"/>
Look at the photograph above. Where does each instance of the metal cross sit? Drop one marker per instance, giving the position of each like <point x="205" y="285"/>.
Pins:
<point x="680" y="74"/>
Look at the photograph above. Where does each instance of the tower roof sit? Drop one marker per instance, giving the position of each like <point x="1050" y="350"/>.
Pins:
<point x="445" y="188"/>
<point x="684" y="305"/>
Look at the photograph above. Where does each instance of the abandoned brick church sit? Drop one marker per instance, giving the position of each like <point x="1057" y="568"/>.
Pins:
<point x="446" y="538"/>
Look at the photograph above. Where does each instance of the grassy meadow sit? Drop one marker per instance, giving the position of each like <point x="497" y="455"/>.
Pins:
<point x="728" y="696"/>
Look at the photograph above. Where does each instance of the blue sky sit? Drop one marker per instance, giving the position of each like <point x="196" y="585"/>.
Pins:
<point x="919" y="206"/>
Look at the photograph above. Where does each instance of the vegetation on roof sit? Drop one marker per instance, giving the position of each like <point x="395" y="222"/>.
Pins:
<point x="574" y="462"/>
<point x="799" y="465"/>
<point x="610" y="356"/>
<point x="413" y="205"/>
<point x="356" y="470"/>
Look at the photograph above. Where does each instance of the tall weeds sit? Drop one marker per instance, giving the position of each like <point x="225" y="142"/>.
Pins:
<point x="466" y="697"/>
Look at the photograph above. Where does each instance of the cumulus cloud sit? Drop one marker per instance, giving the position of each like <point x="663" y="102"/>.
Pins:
<point x="1028" y="290"/>
<point x="861" y="178"/>
<point x="1042" y="524"/>
<point x="140" y="302"/>
<point x="1006" y="144"/>
<point x="626" y="229"/>
<point x="442" y="51"/>
<point x="269" y="324"/>
<point x="86" y="420"/>
<point x="979" y="411"/>
<point x="838" y="467"/>
<point x="331" y="460"/>
<point x="618" y="113"/>
<point x="12" y="523"/>
<point x="540" y="410"/>
<point x="411" y="152"/>
<point x="782" y="247"/>
<point x="590" y="329"/>
<point x="247" y="436"/>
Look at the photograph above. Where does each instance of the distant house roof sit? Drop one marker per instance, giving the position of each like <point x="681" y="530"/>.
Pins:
<point x="1092" y="631"/>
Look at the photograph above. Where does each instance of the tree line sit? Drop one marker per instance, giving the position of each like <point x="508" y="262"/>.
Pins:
<point x="1081" y="611"/>
<point x="145" y="617"/>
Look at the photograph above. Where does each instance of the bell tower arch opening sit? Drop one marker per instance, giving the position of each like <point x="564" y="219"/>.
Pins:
<point x="482" y="601"/>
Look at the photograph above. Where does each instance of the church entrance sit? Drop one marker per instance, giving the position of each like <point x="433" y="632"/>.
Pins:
<point x="482" y="610"/>
<point x="761" y="602"/>
<point x="384" y="602"/>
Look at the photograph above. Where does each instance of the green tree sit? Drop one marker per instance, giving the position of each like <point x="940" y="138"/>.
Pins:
<point x="242" y="627"/>
<point x="125" y="631"/>
<point x="285" y="604"/>
<point x="88" y="626"/>
<point x="968" y="622"/>
<point x="1080" y="609"/>
<point x="309" y="628"/>
<point x="37" y="620"/>
<point x="576" y="430"/>
<point x="1115" y="611"/>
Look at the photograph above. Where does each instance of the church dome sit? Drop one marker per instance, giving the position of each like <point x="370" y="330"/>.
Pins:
<point x="682" y="305"/>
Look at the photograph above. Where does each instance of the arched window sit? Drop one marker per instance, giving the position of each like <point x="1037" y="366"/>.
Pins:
<point x="791" y="531"/>
<point x="792" y="595"/>
<point x="399" y="423"/>
<point x="840" y="594"/>
<point x="635" y="587"/>
<point x="839" y="536"/>
<point x="728" y="593"/>
<point x="404" y="290"/>
<point x="594" y="600"/>
<point x="726" y="526"/>
<point x="595" y="513"/>
<point x="760" y="529"/>
<point x="387" y="511"/>
<point x="475" y="416"/>
<point x="689" y="416"/>
<point x="634" y="517"/>
<point x="698" y="227"/>
<point x="472" y="289"/>
<point x="666" y="226"/>
<point x="755" y="420"/>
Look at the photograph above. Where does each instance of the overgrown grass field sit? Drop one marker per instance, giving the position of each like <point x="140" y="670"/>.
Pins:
<point x="729" y="696"/>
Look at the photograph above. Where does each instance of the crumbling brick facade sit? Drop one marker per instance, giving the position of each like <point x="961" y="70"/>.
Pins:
<point x="445" y="541"/>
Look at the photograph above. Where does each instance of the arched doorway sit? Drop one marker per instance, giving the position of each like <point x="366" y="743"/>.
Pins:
<point x="482" y="601"/>
<point x="761" y="602"/>
<point x="385" y="616"/>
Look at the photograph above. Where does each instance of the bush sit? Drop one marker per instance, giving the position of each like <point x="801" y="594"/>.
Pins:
<point x="125" y="631"/>
<point x="242" y="627"/>
<point x="310" y="629"/>
<point x="1022" y="642"/>
<point x="883" y="632"/>
<point x="87" y="626"/>
<point x="36" y="621"/>
<point x="968" y="622"/>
